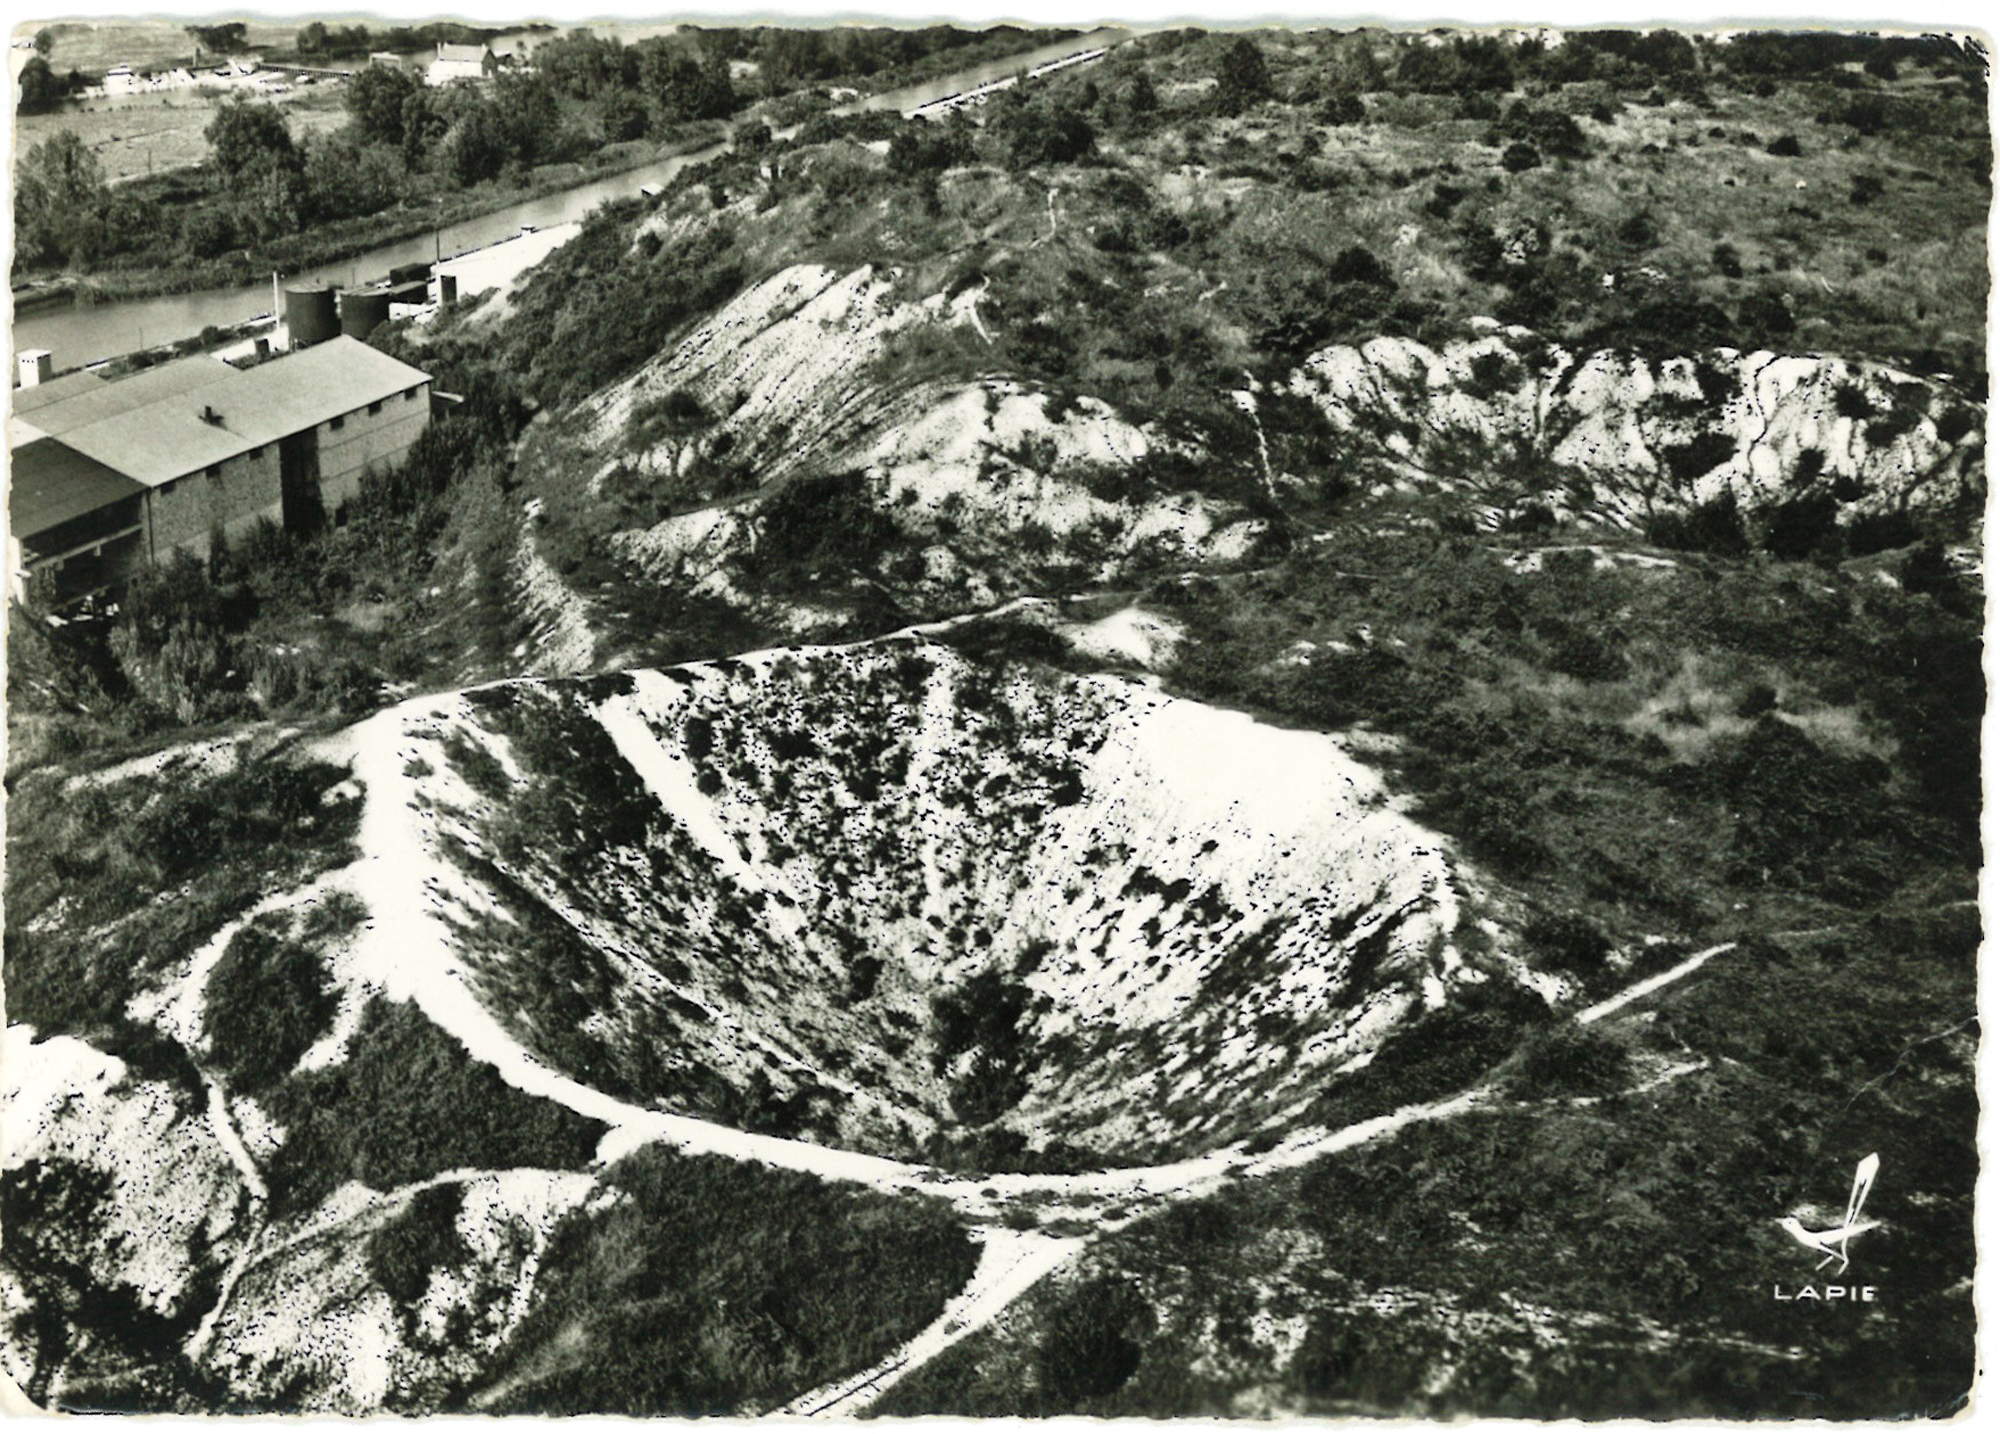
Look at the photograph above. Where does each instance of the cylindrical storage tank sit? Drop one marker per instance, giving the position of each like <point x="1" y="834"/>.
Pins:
<point x="311" y="314"/>
<point x="447" y="288"/>
<point x="362" y="311"/>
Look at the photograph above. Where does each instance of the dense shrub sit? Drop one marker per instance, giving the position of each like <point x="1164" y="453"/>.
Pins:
<point x="1550" y="131"/>
<point x="1093" y="1343"/>
<point x="1711" y="527"/>
<point x="1241" y="79"/>
<point x="674" y="414"/>
<point x="269" y="998"/>
<point x="407" y="1104"/>
<point x="596" y="308"/>
<point x="1567" y="940"/>
<point x="829" y="519"/>
<point x="1802" y="526"/>
<point x="1568" y="1059"/>
<point x="921" y="147"/>
<point x="1785" y="146"/>
<point x="1441" y="1054"/>
<point x="403" y="1252"/>
<point x="1766" y="316"/>
<point x="711" y="1286"/>
<point x="1519" y="156"/>
<point x="1048" y="133"/>
<point x="1701" y="454"/>
<point x="985" y="1018"/>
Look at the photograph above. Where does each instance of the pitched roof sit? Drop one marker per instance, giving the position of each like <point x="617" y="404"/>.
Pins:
<point x="150" y="426"/>
<point x="467" y="54"/>
<point x="50" y="483"/>
<point x="79" y="404"/>
<point x="30" y="397"/>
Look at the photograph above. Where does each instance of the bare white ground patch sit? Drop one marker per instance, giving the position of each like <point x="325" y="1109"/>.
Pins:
<point x="1648" y="435"/>
<point x="177" y="1201"/>
<point x="310" y="1313"/>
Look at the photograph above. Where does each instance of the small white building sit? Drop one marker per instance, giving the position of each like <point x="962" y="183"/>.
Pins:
<point x="461" y="62"/>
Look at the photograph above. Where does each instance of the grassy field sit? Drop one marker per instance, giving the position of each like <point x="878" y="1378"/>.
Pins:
<point x="150" y="134"/>
<point x="94" y="46"/>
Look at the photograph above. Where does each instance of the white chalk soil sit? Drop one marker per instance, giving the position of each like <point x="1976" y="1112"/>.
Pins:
<point x="1628" y="426"/>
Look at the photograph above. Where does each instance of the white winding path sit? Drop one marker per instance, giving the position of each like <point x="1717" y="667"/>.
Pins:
<point x="1640" y="989"/>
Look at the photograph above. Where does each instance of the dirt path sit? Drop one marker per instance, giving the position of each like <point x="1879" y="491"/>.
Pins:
<point x="1010" y="1264"/>
<point x="1641" y="989"/>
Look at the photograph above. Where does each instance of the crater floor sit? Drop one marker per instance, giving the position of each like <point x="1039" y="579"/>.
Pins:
<point x="894" y="899"/>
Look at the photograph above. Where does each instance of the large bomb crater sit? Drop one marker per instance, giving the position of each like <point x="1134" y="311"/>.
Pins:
<point x="902" y="901"/>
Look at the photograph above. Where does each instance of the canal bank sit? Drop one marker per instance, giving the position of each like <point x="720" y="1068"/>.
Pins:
<point x="87" y="334"/>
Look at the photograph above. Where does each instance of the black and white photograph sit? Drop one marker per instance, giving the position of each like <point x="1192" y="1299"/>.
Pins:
<point x="845" y="715"/>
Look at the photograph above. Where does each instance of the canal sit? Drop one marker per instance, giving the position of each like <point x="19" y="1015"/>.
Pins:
<point x="87" y="333"/>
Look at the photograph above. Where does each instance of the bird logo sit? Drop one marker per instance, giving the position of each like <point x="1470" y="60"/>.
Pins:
<point x="1833" y="1243"/>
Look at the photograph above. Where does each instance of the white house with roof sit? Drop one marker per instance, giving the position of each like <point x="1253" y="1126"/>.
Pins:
<point x="109" y="476"/>
<point x="461" y="62"/>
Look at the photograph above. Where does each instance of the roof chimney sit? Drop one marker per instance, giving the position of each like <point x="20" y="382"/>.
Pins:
<point x="209" y="415"/>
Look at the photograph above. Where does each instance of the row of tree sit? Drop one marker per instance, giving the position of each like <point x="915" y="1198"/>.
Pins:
<point x="336" y="41"/>
<point x="42" y="89"/>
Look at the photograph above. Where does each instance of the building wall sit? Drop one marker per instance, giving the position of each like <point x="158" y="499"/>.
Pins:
<point x="443" y="72"/>
<point x="182" y="514"/>
<point x="367" y="440"/>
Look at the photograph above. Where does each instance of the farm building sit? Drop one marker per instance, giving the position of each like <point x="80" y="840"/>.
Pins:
<point x="461" y="62"/>
<point x="108" y="476"/>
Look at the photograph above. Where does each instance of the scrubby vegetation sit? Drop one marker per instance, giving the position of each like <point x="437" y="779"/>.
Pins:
<point x="1549" y="1260"/>
<point x="710" y="1286"/>
<point x="122" y="880"/>
<point x="1740" y="717"/>
<point x="411" y="157"/>
<point x="409" y="1103"/>
<point x="1629" y="778"/>
<point x="269" y="998"/>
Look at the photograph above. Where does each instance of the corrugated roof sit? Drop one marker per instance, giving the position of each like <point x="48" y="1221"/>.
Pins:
<point x="49" y="483"/>
<point x="150" y="426"/>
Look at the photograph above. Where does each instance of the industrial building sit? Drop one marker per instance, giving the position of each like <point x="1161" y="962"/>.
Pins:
<point x="110" y="475"/>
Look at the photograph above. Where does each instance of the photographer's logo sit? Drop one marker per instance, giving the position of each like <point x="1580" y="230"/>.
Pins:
<point x="1831" y="1243"/>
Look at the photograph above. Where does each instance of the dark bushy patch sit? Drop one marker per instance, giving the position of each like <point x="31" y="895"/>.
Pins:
<point x="407" y="1104"/>
<point x="597" y="308"/>
<point x="1568" y="1059"/>
<point x="1711" y="527"/>
<point x="715" y="1286"/>
<point x="403" y="1252"/>
<point x="1802" y="526"/>
<point x="1567" y="940"/>
<point x="1092" y="1345"/>
<point x="269" y="998"/>
<point x="1441" y="1054"/>
<point x="1807" y="817"/>
<point x="983" y="1018"/>
<point x="829" y="520"/>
